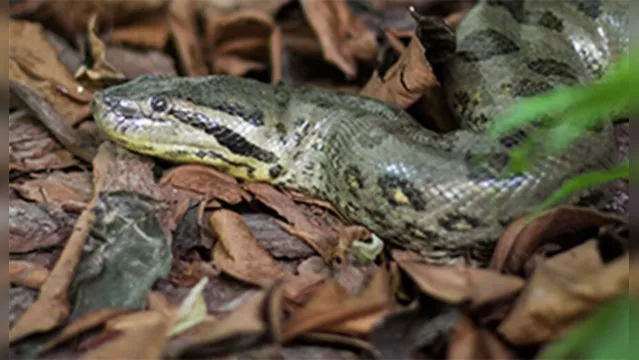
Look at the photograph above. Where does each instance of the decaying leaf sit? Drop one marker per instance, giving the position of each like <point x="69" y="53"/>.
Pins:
<point x="333" y="309"/>
<point x="459" y="284"/>
<point x="72" y="190"/>
<point x="241" y="328"/>
<point x="83" y="324"/>
<point x="140" y="335"/>
<point x="150" y="31"/>
<point x="134" y="63"/>
<point x="27" y="274"/>
<point x="31" y="146"/>
<point x="33" y="62"/>
<point x="208" y="182"/>
<point x="470" y="342"/>
<point x="243" y="41"/>
<point x="323" y="239"/>
<point x="344" y="38"/>
<point x="52" y="306"/>
<point x="561" y="290"/>
<point x="412" y="78"/>
<point x="127" y="254"/>
<point x="522" y="237"/>
<point x="184" y="33"/>
<point x="239" y="254"/>
<point x="36" y="226"/>
<point x="100" y="70"/>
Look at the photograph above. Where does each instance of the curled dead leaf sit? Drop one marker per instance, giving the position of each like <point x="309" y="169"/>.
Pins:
<point x="239" y="254"/>
<point x="244" y="41"/>
<point x="522" y="237"/>
<point x="210" y="183"/>
<point x="332" y="309"/>
<point x="344" y="38"/>
<point x="100" y="70"/>
<point x="470" y="342"/>
<point x="183" y="27"/>
<point x="561" y="290"/>
<point x="459" y="284"/>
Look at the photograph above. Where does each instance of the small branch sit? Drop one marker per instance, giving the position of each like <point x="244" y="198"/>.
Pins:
<point x="79" y="144"/>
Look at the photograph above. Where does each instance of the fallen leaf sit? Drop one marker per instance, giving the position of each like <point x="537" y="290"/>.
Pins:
<point x="344" y="38"/>
<point x="100" y="70"/>
<point x="33" y="62"/>
<point x="459" y="284"/>
<point x="37" y="226"/>
<point x="411" y="78"/>
<point x="470" y="342"/>
<point x="134" y="63"/>
<point x="27" y="274"/>
<point x="558" y="294"/>
<point x="141" y="335"/>
<point x="242" y="327"/>
<point x="333" y="309"/>
<point x="183" y="28"/>
<point x="275" y="239"/>
<point x="117" y="169"/>
<point x="150" y="31"/>
<point x="52" y="306"/>
<point x="31" y="146"/>
<point x="83" y="324"/>
<point x="239" y="254"/>
<point x="210" y="183"/>
<point x="73" y="19"/>
<point x="323" y="239"/>
<point x="230" y="6"/>
<point x="243" y="41"/>
<point x="72" y="190"/>
<point x="522" y="237"/>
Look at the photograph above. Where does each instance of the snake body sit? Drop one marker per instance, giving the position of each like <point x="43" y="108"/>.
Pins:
<point x="438" y="194"/>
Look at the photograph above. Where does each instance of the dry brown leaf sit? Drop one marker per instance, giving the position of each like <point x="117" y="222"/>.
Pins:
<point x="52" y="306"/>
<point x="411" y="78"/>
<point x="72" y="16"/>
<point x="333" y="309"/>
<point x="31" y="146"/>
<point x="520" y="239"/>
<point x="210" y="183"/>
<point x="117" y="169"/>
<point x="322" y="239"/>
<point x="149" y="31"/>
<point x="247" y="320"/>
<point x="239" y="254"/>
<point x="459" y="284"/>
<point x="344" y="38"/>
<point x="141" y="335"/>
<point x="184" y="32"/>
<point x="469" y="342"/>
<point x="243" y="41"/>
<point x="347" y="236"/>
<point x="230" y="6"/>
<point x="83" y="324"/>
<point x="71" y="189"/>
<point x="36" y="226"/>
<point x="101" y="69"/>
<point x="562" y="290"/>
<point x="134" y="63"/>
<point x="33" y="62"/>
<point x="27" y="274"/>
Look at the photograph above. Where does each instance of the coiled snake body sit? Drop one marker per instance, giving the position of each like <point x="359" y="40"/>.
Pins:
<point x="415" y="188"/>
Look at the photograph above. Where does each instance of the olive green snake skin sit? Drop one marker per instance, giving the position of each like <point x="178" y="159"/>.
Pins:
<point x="437" y="194"/>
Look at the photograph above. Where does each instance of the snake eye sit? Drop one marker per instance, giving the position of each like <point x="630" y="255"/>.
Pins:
<point x="159" y="104"/>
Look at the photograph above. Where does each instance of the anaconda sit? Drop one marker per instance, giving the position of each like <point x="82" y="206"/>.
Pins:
<point x="439" y="194"/>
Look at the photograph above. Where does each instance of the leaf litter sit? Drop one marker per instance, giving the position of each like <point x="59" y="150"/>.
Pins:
<point x="546" y="275"/>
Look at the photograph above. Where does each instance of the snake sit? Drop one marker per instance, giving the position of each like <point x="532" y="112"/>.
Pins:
<point x="442" y="195"/>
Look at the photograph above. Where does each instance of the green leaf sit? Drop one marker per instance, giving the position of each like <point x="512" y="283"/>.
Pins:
<point x="584" y="181"/>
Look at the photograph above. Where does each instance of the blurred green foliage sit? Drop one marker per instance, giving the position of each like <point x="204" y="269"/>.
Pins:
<point x="568" y="114"/>
<point x="571" y="112"/>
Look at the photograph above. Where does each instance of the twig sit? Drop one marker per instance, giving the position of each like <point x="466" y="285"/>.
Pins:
<point x="76" y="142"/>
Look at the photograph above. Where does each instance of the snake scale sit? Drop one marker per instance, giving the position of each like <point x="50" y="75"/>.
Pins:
<point x="437" y="194"/>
